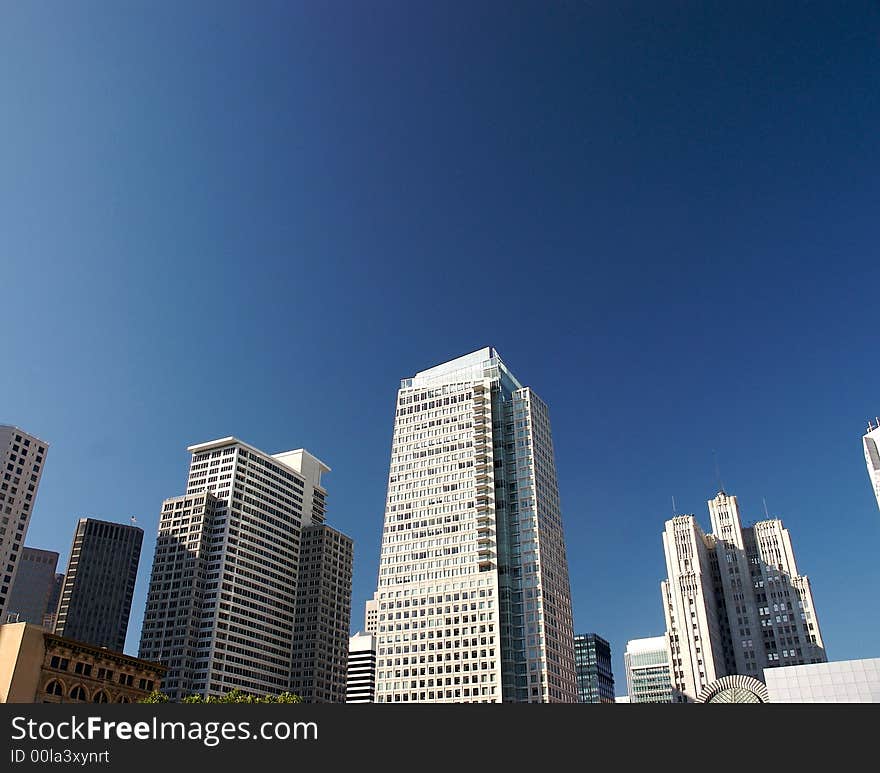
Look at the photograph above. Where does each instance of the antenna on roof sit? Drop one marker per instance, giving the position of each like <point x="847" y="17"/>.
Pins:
<point x="765" y="508"/>
<point x="718" y="474"/>
<point x="133" y="520"/>
<point x="674" y="511"/>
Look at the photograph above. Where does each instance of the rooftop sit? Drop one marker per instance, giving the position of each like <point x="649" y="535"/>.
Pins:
<point x="24" y="432"/>
<point x="299" y="460"/>
<point x="483" y="363"/>
<point x="646" y="645"/>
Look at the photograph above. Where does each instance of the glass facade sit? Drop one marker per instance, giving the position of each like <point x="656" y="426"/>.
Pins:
<point x="34" y="588"/>
<point x="648" y="678"/>
<point x="99" y="583"/>
<point x="592" y="662"/>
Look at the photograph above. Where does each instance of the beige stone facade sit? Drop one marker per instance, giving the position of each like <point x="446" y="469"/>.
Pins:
<point x="40" y="667"/>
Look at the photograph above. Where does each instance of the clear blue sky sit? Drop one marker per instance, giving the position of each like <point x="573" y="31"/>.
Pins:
<point x="254" y="219"/>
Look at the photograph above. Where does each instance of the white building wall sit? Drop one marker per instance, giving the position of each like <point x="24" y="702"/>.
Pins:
<point x="241" y="521"/>
<point x="844" y="681"/>
<point x="689" y="605"/>
<point x="371" y="615"/>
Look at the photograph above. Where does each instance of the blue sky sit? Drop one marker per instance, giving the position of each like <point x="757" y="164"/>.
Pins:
<point x="219" y="219"/>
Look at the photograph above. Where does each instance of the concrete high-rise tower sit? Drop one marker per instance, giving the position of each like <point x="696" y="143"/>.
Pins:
<point x="473" y="591"/>
<point x="734" y="601"/>
<point x="871" y="442"/>
<point x="22" y="459"/>
<point x="223" y="609"/>
<point x="99" y="583"/>
<point x="323" y="613"/>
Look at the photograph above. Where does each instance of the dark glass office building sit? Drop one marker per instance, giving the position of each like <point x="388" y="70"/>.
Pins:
<point x="31" y="596"/>
<point x="592" y="661"/>
<point x="99" y="583"/>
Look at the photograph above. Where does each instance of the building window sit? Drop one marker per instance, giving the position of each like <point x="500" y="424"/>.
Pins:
<point x="100" y="697"/>
<point x="78" y="693"/>
<point x="54" y="688"/>
<point x="83" y="668"/>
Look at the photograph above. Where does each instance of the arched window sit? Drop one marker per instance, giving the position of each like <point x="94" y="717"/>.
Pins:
<point x="78" y="693"/>
<point x="54" y="688"/>
<point x="100" y="697"/>
<point x="122" y="699"/>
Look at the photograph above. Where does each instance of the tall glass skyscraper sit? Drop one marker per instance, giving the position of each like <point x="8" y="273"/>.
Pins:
<point x="474" y="602"/>
<point x="31" y="598"/>
<point x="99" y="583"/>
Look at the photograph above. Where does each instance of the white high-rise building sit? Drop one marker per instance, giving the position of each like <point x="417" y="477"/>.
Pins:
<point x="473" y="591"/>
<point x="734" y="601"/>
<point x="871" y="441"/>
<point x="647" y="670"/>
<point x="22" y="458"/>
<point x="361" y="684"/>
<point x="222" y="608"/>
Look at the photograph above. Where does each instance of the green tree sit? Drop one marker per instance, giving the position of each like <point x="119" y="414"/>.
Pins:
<point x="238" y="696"/>
<point x="285" y="697"/>
<point x="155" y="697"/>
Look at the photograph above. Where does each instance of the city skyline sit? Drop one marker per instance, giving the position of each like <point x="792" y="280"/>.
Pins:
<point x="670" y="228"/>
<point x="357" y="612"/>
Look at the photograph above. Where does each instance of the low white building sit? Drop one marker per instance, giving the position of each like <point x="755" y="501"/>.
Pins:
<point x="648" y="677"/>
<point x="843" y="681"/>
<point x="361" y="684"/>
